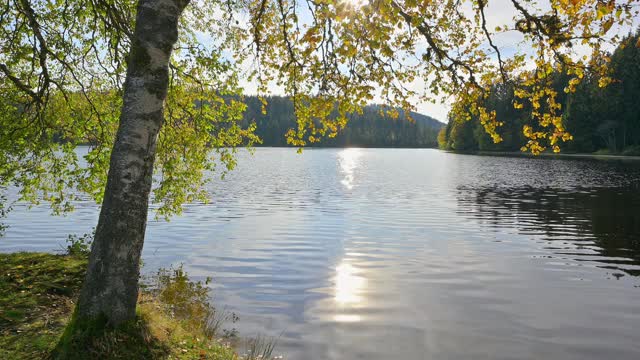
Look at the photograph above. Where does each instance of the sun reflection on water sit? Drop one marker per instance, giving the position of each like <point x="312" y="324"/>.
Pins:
<point x="348" y="160"/>
<point x="348" y="285"/>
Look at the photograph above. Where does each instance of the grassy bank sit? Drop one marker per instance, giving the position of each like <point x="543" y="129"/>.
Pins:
<point x="36" y="300"/>
<point x="37" y="295"/>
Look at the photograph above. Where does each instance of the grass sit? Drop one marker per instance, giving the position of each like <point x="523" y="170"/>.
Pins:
<point x="36" y="298"/>
<point x="153" y="335"/>
<point x="174" y="318"/>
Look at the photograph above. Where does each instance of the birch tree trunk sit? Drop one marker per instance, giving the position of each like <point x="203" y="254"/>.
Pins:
<point x="110" y="289"/>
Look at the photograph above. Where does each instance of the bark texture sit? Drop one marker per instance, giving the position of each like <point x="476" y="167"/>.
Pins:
<point x="110" y="289"/>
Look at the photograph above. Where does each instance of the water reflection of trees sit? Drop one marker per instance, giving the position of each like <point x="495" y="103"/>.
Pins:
<point x="597" y="224"/>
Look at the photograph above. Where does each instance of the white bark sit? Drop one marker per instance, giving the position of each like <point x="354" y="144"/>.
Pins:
<point x="111" y="285"/>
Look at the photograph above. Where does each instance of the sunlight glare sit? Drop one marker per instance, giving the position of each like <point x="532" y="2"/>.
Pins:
<point x="348" y="160"/>
<point x="348" y="284"/>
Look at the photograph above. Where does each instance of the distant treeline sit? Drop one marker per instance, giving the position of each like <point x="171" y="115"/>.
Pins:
<point x="605" y="119"/>
<point x="370" y="129"/>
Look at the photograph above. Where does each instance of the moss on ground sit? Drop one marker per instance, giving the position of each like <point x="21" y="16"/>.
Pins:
<point x="37" y="296"/>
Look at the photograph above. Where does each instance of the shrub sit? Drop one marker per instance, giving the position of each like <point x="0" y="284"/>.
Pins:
<point x="79" y="245"/>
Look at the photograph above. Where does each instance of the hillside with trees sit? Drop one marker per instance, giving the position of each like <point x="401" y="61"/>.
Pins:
<point x="373" y="128"/>
<point x="600" y="119"/>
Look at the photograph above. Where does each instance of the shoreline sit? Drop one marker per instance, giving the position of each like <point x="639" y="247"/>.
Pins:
<point x="549" y="155"/>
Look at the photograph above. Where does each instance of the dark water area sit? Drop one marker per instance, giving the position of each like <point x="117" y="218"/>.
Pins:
<point x="406" y="253"/>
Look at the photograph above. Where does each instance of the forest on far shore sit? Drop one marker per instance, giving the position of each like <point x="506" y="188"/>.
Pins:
<point x="373" y="128"/>
<point x="605" y="120"/>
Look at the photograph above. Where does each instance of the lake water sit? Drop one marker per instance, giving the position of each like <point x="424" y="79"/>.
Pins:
<point x="407" y="253"/>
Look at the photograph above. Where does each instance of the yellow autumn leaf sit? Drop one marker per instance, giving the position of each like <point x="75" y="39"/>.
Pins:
<point x="607" y="25"/>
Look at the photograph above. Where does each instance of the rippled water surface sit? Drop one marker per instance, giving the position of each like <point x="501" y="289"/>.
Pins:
<point x="407" y="254"/>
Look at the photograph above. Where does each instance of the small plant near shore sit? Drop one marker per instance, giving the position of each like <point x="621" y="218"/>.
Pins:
<point x="216" y="319"/>
<point x="4" y="210"/>
<point x="261" y="348"/>
<point x="79" y="245"/>
<point x="188" y="300"/>
<point x="184" y="298"/>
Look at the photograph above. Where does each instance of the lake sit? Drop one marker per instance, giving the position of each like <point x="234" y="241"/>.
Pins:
<point x="406" y="253"/>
